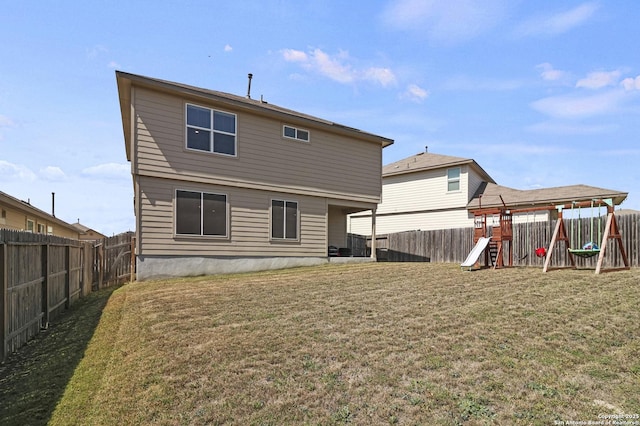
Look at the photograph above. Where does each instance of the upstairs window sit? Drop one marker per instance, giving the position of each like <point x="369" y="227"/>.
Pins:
<point x="201" y="214"/>
<point x="295" y="133"/>
<point x="453" y="179"/>
<point x="210" y="130"/>
<point x="284" y="220"/>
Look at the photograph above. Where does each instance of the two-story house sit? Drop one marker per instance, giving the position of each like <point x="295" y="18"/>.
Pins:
<point x="225" y="183"/>
<point x="425" y="191"/>
<point x="431" y="191"/>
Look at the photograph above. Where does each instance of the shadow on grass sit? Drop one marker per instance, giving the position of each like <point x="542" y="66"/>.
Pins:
<point x="33" y="379"/>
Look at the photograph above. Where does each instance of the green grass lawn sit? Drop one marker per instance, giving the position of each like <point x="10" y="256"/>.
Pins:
<point x="378" y="343"/>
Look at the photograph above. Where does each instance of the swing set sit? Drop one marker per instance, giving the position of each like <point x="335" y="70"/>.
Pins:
<point x="590" y="248"/>
<point x="502" y="236"/>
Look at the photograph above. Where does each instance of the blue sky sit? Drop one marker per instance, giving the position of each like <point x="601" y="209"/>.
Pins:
<point x="539" y="93"/>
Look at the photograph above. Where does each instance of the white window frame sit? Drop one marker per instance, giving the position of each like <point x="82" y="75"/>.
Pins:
<point x="211" y="130"/>
<point x="31" y="225"/>
<point x="42" y="229"/>
<point x="201" y="235"/>
<point x="284" y="219"/>
<point x="297" y="132"/>
<point x="451" y="180"/>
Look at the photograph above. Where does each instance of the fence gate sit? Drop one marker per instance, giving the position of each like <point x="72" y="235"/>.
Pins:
<point x="113" y="262"/>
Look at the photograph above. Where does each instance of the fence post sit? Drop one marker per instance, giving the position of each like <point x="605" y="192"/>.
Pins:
<point x="4" y="320"/>
<point x="133" y="259"/>
<point x="67" y="279"/>
<point x="45" y="284"/>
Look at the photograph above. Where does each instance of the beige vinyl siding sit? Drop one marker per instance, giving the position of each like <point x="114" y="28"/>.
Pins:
<point x="17" y="219"/>
<point x="424" y="221"/>
<point x="328" y="165"/>
<point x="249" y="223"/>
<point x="475" y="180"/>
<point x="338" y="227"/>
<point x="418" y="200"/>
<point x="421" y="191"/>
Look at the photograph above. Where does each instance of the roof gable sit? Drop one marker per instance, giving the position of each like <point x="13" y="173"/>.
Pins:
<point x="424" y="161"/>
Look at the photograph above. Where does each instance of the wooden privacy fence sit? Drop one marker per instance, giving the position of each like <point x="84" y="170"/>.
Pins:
<point x="453" y="245"/>
<point x="43" y="275"/>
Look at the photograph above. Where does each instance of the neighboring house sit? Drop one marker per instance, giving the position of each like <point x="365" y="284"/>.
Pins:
<point x="22" y="216"/>
<point x="425" y="191"/>
<point x="88" y="234"/>
<point x="430" y="191"/>
<point x="226" y="183"/>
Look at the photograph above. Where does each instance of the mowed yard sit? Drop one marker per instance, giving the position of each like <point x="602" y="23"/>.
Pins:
<point x="377" y="343"/>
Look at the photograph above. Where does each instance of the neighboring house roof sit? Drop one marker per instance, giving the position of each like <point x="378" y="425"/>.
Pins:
<point x="494" y="195"/>
<point x="125" y="80"/>
<point x="627" y="211"/>
<point x="25" y="206"/>
<point x="424" y="161"/>
<point x="84" y="230"/>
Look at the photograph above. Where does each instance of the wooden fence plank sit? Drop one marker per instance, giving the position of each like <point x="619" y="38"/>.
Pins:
<point x="42" y="275"/>
<point x="4" y="318"/>
<point x="453" y="245"/>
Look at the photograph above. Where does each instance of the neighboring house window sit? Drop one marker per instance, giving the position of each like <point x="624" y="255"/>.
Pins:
<point x="41" y="228"/>
<point x="50" y="230"/>
<point x="210" y="130"/>
<point x="284" y="220"/>
<point x="31" y="225"/>
<point x="295" y="133"/>
<point x="201" y="213"/>
<point x="453" y="179"/>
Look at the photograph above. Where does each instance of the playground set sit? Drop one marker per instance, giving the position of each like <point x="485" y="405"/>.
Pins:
<point x="498" y="244"/>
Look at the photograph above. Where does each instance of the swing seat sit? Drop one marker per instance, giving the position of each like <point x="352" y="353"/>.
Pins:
<point x="584" y="253"/>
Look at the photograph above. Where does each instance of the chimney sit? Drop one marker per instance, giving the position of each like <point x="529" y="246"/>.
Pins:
<point x="249" y="88"/>
<point x="53" y="204"/>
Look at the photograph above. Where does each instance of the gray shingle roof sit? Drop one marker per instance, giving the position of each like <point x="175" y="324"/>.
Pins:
<point x="427" y="161"/>
<point x="516" y="198"/>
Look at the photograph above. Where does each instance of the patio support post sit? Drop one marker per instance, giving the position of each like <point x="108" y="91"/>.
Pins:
<point x="373" y="234"/>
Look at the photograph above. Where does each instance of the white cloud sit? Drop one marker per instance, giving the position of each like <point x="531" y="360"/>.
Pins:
<point x="631" y="83"/>
<point x="17" y="172"/>
<point x="548" y="73"/>
<point x="108" y="170"/>
<point x="292" y="55"/>
<point x="572" y="106"/>
<point x="382" y="76"/>
<point x="599" y="79"/>
<point x="5" y="121"/>
<point x="446" y="21"/>
<point x="331" y="67"/>
<point x="338" y="67"/>
<point x="114" y="65"/>
<point x="52" y="173"/>
<point x="558" y="23"/>
<point x="415" y="93"/>
<point x="228" y="48"/>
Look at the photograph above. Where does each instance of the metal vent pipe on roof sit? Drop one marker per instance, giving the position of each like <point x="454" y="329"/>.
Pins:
<point x="249" y="88"/>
